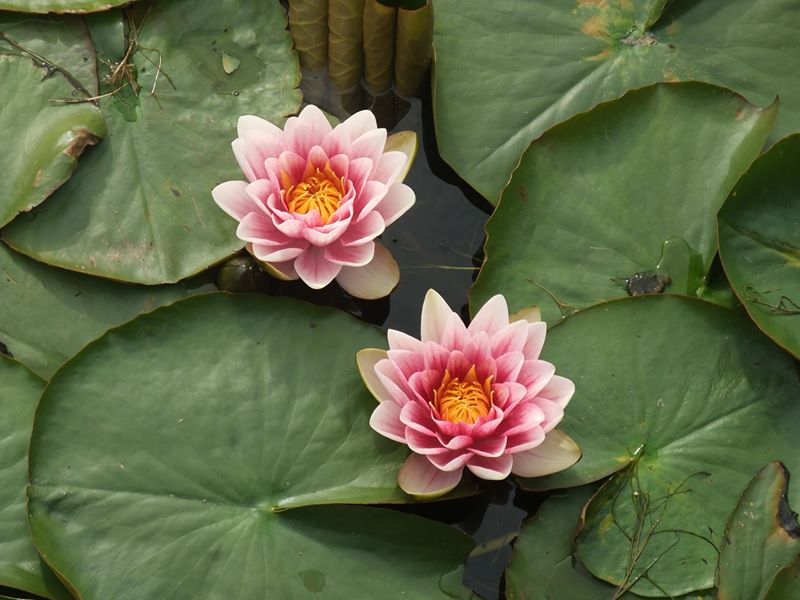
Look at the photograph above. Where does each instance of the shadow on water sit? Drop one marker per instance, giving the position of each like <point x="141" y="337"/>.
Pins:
<point x="438" y="244"/>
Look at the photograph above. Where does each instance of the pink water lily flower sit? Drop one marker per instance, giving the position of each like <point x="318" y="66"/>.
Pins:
<point x="474" y="397"/>
<point x="317" y="196"/>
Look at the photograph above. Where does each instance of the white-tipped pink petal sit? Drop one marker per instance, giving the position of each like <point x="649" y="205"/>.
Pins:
<point x="536" y="335"/>
<point x="385" y="420"/>
<point x="350" y="256"/>
<point x="374" y="280"/>
<point x="252" y="123"/>
<point x="314" y="269"/>
<point x="559" y="390"/>
<point x="492" y="317"/>
<point x="390" y="167"/>
<point x="258" y="228"/>
<point x="250" y="160"/>
<point x="315" y="118"/>
<point x="366" y="360"/>
<point x="370" y="145"/>
<point x="493" y="469"/>
<point x="557" y="452"/>
<point x="435" y="315"/>
<point x="364" y="230"/>
<point x="357" y="125"/>
<point x="232" y="197"/>
<point x="278" y="254"/>
<point x="419" y="478"/>
<point x="397" y="201"/>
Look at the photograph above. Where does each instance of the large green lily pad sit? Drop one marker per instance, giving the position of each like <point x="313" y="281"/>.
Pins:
<point x="43" y="61"/>
<point x="508" y="70"/>
<point x="689" y="399"/>
<point x="60" y="6"/>
<point x="47" y="315"/>
<point x="786" y="585"/>
<point x="759" y="243"/>
<point x="20" y="565"/>
<point x="632" y="187"/>
<point x="209" y="431"/>
<point x="542" y="567"/>
<point x="762" y="537"/>
<point x="140" y="207"/>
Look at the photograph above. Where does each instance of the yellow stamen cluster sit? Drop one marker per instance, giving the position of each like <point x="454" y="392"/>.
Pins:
<point x="321" y="190"/>
<point x="464" y="401"/>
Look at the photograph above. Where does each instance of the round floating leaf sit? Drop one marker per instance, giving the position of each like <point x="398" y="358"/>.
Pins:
<point x="47" y="315"/>
<point x="576" y="221"/>
<point x="140" y="207"/>
<point x="507" y="71"/>
<point x="43" y="61"/>
<point x="689" y="399"/>
<point x="20" y="565"/>
<point x="762" y="537"/>
<point x="759" y="243"/>
<point x="787" y="584"/>
<point x="60" y="6"/>
<point x="542" y="565"/>
<point x="208" y="431"/>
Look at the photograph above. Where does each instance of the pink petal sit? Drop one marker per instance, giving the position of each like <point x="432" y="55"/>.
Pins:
<point x="525" y="440"/>
<point x="553" y="413"/>
<point x="457" y="442"/>
<point x="535" y="341"/>
<point x="509" y="339"/>
<point x="419" y="478"/>
<point x="369" y="145"/>
<point x="293" y="228"/>
<point x="315" y="118"/>
<point x="366" y="360"/>
<point x="559" y="390"/>
<point x="422" y="443"/>
<point x="414" y="416"/>
<point x="424" y="382"/>
<point x="477" y="352"/>
<point x="556" y="453"/>
<point x="397" y="201"/>
<point x="509" y="365"/>
<point x="390" y="166"/>
<point x="457" y="364"/>
<point x="374" y="280"/>
<point x="394" y="382"/>
<point x="357" y="125"/>
<point x="314" y="269"/>
<point x="489" y="447"/>
<point x="258" y="228"/>
<point x="350" y="256"/>
<point x="435" y="357"/>
<point x="290" y="163"/>
<point x="492" y="317"/>
<point x="535" y="375"/>
<point x="317" y="157"/>
<point x="508" y="394"/>
<point x="454" y="335"/>
<point x="451" y="460"/>
<point x="232" y="197"/>
<point x="277" y="254"/>
<point x="522" y="418"/>
<point x="402" y="341"/>
<point x="326" y="234"/>
<point x="250" y="160"/>
<point x="365" y="230"/>
<point x="371" y="195"/>
<point x="491" y="468"/>
<point x="385" y="420"/>
<point x="358" y="174"/>
<point x="407" y="362"/>
<point x="251" y="123"/>
<point x="299" y="136"/>
<point x="435" y="314"/>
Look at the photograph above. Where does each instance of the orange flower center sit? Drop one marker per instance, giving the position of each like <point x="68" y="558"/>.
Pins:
<point x="320" y="190"/>
<point x="463" y="401"/>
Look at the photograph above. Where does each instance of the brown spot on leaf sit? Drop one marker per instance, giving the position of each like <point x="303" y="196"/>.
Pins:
<point x="176" y="192"/>
<point x="673" y="28"/>
<point x="670" y="77"/>
<point x="595" y="27"/>
<point x="37" y="180"/>
<point x="83" y="137"/>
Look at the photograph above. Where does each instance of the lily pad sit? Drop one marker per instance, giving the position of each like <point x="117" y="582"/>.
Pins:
<point x="689" y="400"/>
<point x="20" y="565"/>
<point x="759" y="243"/>
<point x="542" y="567"/>
<point x="762" y="537"/>
<point x="43" y="62"/>
<point x="60" y="6"/>
<point x="140" y="207"/>
<point x="208" y="442"/>
<point x="47" y="315"/>
<point x="577" y="221"/>
<point x="787" y="584"/>
<point x="548" y="61"/>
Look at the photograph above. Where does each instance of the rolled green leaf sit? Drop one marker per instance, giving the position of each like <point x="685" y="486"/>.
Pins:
<point x="413" y="49"/>
<point x="380" y="23"/>
<point x="308" y="22"/>
<point x="345" y="35"/>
